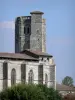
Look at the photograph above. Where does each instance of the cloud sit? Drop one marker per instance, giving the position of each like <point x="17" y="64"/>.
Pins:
<point x="7" y="24"/>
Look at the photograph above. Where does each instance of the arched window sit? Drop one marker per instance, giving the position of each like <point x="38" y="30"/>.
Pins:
<point x="13" y="76"/>
<point x="46" y="79"/>
<point x="30" y="76"/>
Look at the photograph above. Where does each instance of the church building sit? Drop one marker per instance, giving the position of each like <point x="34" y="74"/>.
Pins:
<point x="30" y="63"/>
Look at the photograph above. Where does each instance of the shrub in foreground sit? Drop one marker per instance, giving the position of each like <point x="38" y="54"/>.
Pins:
<point x="50" y="93"/>
<point x="29" y="92"/>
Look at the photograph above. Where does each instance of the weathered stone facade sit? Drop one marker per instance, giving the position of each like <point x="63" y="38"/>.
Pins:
<point x="30" y="32"/>
<point x="30" y="65"/>
<point x="43" y="35"/>
<point x="22" y="38"/>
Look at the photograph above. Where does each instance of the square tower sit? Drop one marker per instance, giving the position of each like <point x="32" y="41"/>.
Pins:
<point x="30" y="32"/>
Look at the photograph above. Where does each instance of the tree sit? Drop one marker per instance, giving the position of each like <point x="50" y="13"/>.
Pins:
<point x="29" y="92"/>
<point x="50" y="93"/>
<point x="67" y="81"/>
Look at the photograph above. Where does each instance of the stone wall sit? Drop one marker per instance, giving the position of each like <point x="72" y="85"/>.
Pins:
<point x="43" y="35"/>
<point x="36" y="32"/>
<point x="17" y="66"/>
<point x="1" y="75"/>
<point x="47" y="69"/>
<point x="36" y="38"/>
<point x="22" y="38"/>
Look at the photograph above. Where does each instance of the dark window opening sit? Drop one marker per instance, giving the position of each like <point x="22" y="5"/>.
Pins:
<point x="42" y="59"/>
<point x="23" y="73"/>
<point x="40" y="74"/>
<point x="46" y="79"/>
<point x="48" y="59"/>
<point x="5" y="74"/>
<point x="13" y="76"/>
<point x="24" y="30"/>
<point x="30" y="77"/>
<point x="28" y="30"/>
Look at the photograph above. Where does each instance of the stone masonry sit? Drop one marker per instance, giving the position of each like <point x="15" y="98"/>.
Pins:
<point x="48" y="69"/>
<point x="30" y="63"/>
<point x="30" y="32"/>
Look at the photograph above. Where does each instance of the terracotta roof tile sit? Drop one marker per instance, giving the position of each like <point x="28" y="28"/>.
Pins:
<point x="61" y="87"/>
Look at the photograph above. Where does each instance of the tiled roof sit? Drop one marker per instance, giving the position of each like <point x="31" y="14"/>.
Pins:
<point x="16" y="56"/>
<point x="39" y="53"/>
<point x="61" y="87"/>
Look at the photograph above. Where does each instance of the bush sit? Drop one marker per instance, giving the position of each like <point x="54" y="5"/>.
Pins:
<point x="29" y="92"/>
<point x="50" y="93"/>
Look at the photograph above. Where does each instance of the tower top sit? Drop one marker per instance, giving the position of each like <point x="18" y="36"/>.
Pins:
<point x="36" y="12"/>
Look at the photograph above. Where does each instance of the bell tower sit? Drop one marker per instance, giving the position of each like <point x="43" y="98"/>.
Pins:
<point x="22" y="33"/>
<point x="36" y="31"/>
<point x="30" y="32"/>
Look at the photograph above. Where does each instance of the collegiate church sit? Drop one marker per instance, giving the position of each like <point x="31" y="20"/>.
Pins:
<point x="30" y="63"/>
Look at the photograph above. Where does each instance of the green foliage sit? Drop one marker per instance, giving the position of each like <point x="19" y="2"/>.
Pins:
<point x="50" y="93"/>
<point x="67" y="81"/>
<point x="29" y="92"/>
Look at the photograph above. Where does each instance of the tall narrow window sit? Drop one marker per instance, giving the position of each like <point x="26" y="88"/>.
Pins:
<point x="5" y="74"/>
<point x="46" y="79"/>
<point x="40" y="74"/>
<point x="30" y="77"/>
<point x="23" y="73"/>
<point x="28" y="30"/>
<point x="24" y="30"/>
<point x="13" y="76"/>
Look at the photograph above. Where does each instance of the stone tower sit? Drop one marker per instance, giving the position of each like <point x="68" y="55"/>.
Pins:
<point x="43" y="35"/>
<point x="30" y="32"/>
